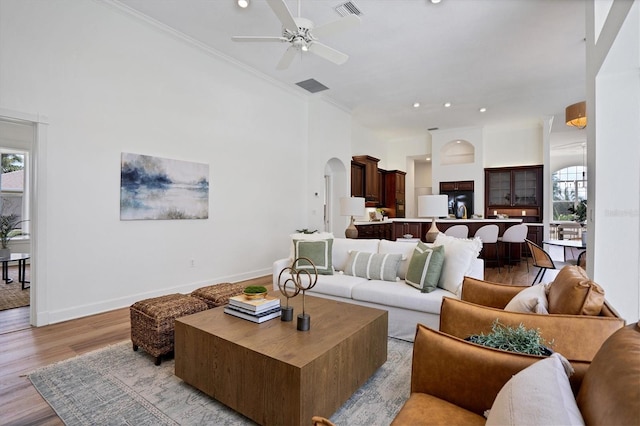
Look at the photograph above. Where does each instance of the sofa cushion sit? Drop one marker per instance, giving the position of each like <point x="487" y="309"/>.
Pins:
<point x="400" y="295"/>
<point x="338" y="285"/>
<point x="459" y="255"/>
<point x="538" y="395"/>
<point x="425" y="267"/>
<point x="530" y="300"/>
<point x="342" y="247"/>
<point x="374" y="266"/>
<point x="573" y="293"/>
<point x="404" y="248"/>
<point x="319" y="252"/>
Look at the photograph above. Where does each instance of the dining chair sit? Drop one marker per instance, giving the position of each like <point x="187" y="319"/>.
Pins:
<point x="488" y="234"/>
<point x="458" y="231"/>
<point x="515" y="234"/>
<point x="541" y="259"/>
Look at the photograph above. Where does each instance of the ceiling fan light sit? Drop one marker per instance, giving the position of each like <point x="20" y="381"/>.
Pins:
<point x="576" y="115"/>
<point x="243" y="3"/>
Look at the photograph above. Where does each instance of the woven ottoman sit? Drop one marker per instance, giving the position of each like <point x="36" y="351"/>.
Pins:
<point x="218" y="294"/>
<point x="153" y="321"/>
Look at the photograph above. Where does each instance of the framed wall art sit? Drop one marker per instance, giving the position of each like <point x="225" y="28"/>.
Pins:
<point x="153" y="188"/>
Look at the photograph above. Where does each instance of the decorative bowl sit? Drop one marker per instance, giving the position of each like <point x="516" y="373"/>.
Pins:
<point x="255" y="296"/>
<point x="408" y="235"/>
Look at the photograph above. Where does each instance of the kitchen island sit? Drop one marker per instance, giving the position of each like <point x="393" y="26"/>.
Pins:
<point x="392" y="229"/>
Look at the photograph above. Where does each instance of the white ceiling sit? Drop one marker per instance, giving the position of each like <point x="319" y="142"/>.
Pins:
<point x="523" y="60"/>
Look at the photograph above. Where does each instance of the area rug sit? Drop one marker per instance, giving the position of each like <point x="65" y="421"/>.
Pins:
<point x="12" y="295"/>
<point x="117" y="386"/>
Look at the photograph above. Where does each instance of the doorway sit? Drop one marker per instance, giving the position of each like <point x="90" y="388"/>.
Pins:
<point x="335" y="187"/>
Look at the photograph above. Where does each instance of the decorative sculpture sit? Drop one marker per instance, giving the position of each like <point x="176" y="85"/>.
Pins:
<point x="303" y="279"/>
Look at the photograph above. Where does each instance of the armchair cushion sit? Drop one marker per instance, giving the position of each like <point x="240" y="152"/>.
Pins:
<point x="573" y="293"/>
<point x="532" y="300"/>
<point x="539" y="394"/>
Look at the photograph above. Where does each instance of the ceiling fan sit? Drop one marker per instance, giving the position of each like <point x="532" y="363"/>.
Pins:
<point x="301" y="34"/>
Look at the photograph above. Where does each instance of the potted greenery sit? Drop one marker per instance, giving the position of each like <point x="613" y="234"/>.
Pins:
<point x="255" y="292"/>
<point x="580" y="215"/>
<point x="513" y="339"/>
<point x="8" y="230"/>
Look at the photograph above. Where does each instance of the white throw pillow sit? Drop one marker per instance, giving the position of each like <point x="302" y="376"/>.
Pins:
<point x="538" y="395"/>
<point x="459" y="254"/>
<point x="530" y="300"/>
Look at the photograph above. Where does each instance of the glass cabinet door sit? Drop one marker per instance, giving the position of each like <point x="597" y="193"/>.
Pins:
<point x="525" y="188"/>
<point x="500" y="188"/>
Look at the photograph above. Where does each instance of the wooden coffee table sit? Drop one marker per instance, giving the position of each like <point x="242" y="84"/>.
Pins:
<point x="275" y="374"/>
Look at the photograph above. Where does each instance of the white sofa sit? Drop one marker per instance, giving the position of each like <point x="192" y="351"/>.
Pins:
<point x="407" y="306"/>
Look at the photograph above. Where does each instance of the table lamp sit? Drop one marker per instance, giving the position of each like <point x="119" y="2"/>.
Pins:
<point x="351" y="206"/>
<point x="433" y="206"/>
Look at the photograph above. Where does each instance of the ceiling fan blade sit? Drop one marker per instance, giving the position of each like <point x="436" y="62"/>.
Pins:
<point x="348" y="22"/>
<point x="328" y="53"/>
<point x="281" y="10"/>
<point x="258" y="38"/>
<point x="287" y="58"/>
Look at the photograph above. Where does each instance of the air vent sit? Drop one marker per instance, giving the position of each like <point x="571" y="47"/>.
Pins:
<point x="432" y="128"/>
<point x="312" y="85"/>
<point x="348" y="8"/>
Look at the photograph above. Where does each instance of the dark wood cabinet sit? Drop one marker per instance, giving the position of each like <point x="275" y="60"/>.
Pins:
<point x="403" y="228"/>
<point x="395" y="193"/>
<point x="357" y="179"/>
<point x="371" y="178"/>
<point x="381" y="231"/>
<point x="464" y="185"/>
<point x="514" y="191"/>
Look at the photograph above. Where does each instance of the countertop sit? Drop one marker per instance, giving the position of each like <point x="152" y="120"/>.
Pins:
<point x="424" y="220"/>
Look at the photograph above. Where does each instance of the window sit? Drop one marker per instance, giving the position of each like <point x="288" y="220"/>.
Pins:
<point x="569" y="188"/>
<point x="12" y="184"/>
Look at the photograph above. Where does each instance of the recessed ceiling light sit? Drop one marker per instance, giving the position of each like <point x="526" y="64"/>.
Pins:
<point x="458" y="141"/>
<point x="416" y="104"/>
<point x="447" y="104"/>
<point x="428" y="158"/>
<point x="483" y="109"/>
<point x="435" y="1"/>
<point x="243" y="3"/>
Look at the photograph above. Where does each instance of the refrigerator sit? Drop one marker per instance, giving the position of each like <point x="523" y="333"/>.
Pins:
<point x="460" y="203"/>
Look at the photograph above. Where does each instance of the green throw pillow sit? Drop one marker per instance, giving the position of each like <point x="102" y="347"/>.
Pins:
<point x="319" y="252"/>
<point x="425" y="267"/>
<point x="373" y="266"/>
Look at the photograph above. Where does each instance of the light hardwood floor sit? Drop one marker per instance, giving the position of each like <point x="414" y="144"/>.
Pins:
<point x="25" y="350"/>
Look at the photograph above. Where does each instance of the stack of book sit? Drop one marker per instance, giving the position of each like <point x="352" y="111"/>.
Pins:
<point x="254" y="310"/>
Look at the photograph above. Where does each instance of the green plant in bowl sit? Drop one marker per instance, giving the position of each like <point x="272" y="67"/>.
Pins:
<point x="514" y="339"/>
<point x="255" y="292"/>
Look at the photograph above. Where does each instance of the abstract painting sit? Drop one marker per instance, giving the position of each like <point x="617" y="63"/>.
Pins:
<point x="161" y="188"/>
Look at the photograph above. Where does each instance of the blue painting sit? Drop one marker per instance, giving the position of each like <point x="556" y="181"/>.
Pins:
<point x="160" y="188"/>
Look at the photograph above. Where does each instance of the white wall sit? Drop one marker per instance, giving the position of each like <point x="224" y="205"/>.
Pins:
<point x="110" y="84"/>
<point x="613" y="132"/>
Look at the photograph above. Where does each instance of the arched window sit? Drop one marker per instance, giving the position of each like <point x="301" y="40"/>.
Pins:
<point x="569" y="189"/>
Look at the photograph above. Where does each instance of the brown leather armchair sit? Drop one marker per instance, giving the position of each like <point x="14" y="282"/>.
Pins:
<point x="576" y="337"/>
<point x="454" y="381"/>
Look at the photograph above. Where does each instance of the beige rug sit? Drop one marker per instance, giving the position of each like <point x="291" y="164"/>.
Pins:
<point x="12" y="295"/>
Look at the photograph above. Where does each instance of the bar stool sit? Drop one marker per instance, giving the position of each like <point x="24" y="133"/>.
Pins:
<point x="515" y="235"/>
<point x="488" y="234"/>
<point x="458" y="231"/>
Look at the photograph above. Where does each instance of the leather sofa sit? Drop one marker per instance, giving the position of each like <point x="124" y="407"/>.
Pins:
<point x="455" y="382"/>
